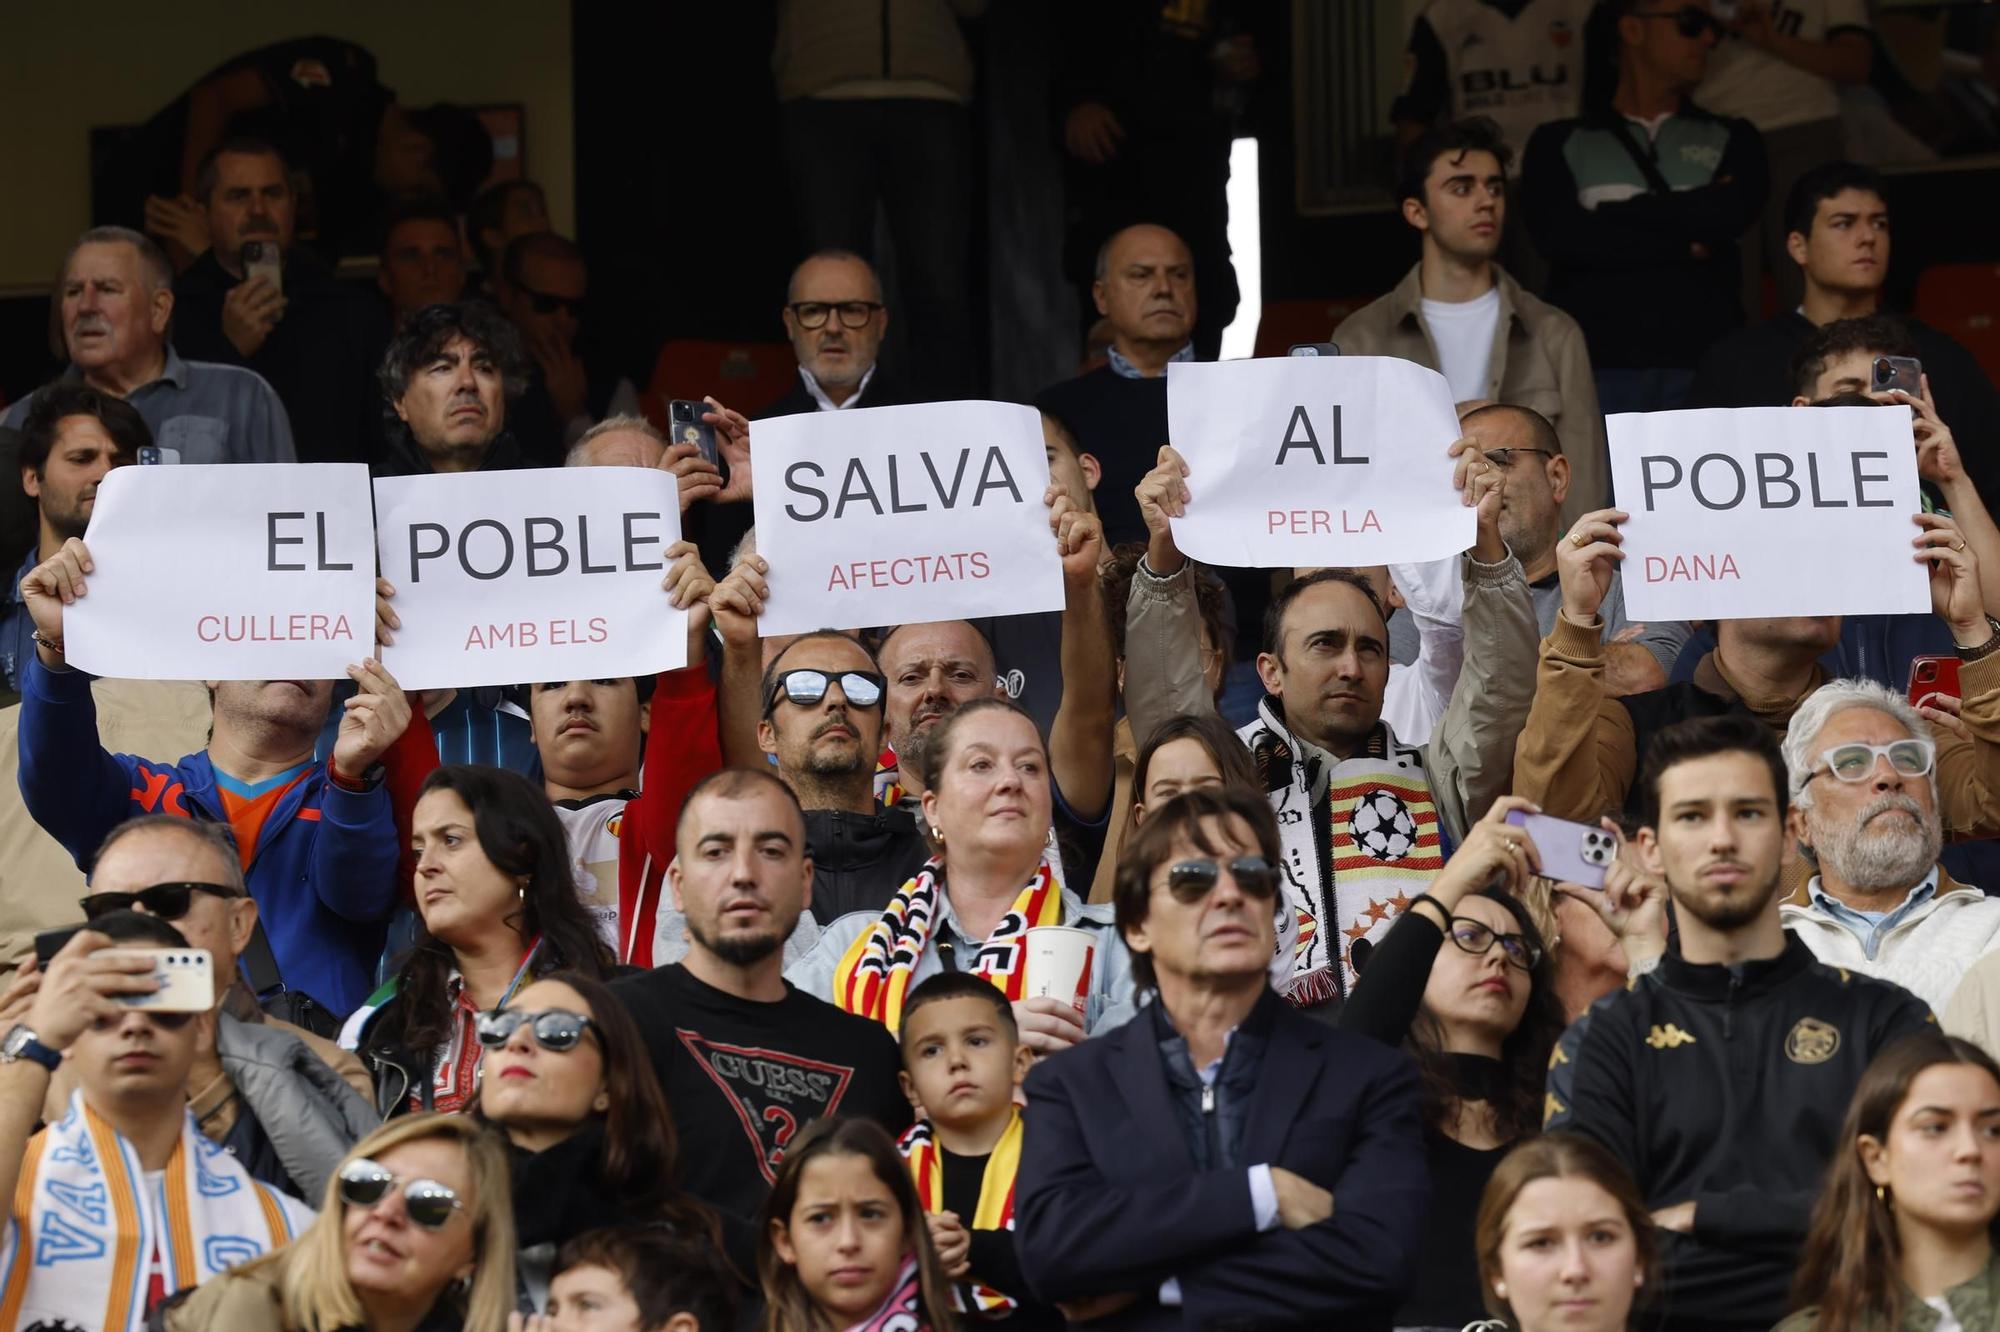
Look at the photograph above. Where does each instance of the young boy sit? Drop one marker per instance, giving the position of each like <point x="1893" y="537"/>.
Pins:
<point x="962" y="1061"/>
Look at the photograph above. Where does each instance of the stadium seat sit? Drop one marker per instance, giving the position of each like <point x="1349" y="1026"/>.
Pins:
<point x="1964" y="301"/>
<point x="748" y="376"/>
<point x="1284" y="323"/>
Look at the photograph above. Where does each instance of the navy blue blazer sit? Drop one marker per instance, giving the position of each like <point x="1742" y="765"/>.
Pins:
<point x="1107" y="1198"/>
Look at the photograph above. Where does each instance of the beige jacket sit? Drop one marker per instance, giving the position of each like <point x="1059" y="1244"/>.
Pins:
<point x="1539" y="361"/>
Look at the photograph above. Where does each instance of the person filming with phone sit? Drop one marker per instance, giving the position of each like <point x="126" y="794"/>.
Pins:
<point x="124" y="1192"/>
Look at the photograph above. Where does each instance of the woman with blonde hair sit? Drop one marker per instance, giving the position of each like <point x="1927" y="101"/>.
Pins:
<point x="415" y="1234"/>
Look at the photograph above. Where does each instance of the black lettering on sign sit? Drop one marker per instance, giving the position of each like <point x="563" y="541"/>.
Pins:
<point x="861" y="490"/>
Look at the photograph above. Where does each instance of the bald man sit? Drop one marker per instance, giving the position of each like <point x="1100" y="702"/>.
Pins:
<point x="836" y="320"/>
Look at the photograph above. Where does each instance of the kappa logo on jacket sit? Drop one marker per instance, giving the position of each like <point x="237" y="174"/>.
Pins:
<point x="775" y="1093"/>
<point x="1669" y="1037"/>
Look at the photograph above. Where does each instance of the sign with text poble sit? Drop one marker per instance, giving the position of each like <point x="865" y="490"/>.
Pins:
<point x="1316" y="460"/>
<point x="903" y="515"/>
<point x="1768" y="511"/>
<point x="544" y="574"/>
<point x="218" y="572"/>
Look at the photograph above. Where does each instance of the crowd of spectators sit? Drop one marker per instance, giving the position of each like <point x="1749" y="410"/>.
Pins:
<point x="696" y="1001"/>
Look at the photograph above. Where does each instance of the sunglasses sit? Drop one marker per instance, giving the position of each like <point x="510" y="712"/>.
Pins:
<point x="1689" y="21"/>
<point x="555" y="1029"/>
<point x="853" y="314"/>
<point x="547" y="303"/>
<point x="1191" y="880"/>
<point x="862" y="689"/>
<point x="429" y="1204"/>
<point x="1478" y="938"/>
<point x="1856" y="762"/>
<point x="168" y="901"/>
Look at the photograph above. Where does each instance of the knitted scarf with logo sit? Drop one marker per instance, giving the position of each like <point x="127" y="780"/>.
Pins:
<point x="996" y="1201"/>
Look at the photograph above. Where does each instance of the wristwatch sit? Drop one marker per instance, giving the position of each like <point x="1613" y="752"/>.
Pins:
<point x="21" y="1043"/>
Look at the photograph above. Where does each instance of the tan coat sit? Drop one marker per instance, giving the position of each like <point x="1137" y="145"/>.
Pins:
<point x="1539" y="361"/>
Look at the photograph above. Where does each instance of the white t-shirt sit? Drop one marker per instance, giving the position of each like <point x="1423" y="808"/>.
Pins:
<point x="1771" y="94"/>
<point x="592" y="828"/>
<point x="1463" y="332"/>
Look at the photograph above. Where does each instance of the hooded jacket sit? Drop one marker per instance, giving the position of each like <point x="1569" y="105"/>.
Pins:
<point x="860" y="860"/>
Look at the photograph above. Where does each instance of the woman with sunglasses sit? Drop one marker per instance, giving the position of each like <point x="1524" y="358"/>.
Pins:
<point x="991" y="879"/>
<point x="1481" y="1016"/>
<point x="1903" y="1236"/>
<point x="566" y="1079"/>
<point x="416" y="1234"/>
<point x="499" y="907"/>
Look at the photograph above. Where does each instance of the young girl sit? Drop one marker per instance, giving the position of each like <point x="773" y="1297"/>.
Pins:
<point x="1563" y="1239"/>
<point x="845" y="1244"/>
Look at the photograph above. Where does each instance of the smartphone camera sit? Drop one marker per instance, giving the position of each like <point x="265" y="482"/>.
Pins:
<point x="1599" y="847"/>
<point x="683" y="411"/>
<point x="1926" y="672"/>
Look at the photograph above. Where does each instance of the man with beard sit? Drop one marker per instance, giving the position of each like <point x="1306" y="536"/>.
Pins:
<point x="317" y="839"/>
<point x="746" y="1060"/>
<point x="448" y="378"/>
<point x="1865" y="812"/>
<point x="823" y="715"/>
<point x="836" y="320"/>
<point x="115" y="304"/>
<point x="1720" y="1075"/>
<point x="75" y="434"/>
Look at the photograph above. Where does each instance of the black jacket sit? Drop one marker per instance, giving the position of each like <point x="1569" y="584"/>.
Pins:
<point x="1109" y="1197"/>
<point x="883" y="390"/>
<point x="860" y="860"/>
<point x="1727" y="1086"/>
<point x="400" y="455"/>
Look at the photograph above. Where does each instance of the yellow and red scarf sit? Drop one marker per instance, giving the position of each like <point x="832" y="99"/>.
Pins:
<point x="875" y="973"/>
<point x="996" y="1201"/>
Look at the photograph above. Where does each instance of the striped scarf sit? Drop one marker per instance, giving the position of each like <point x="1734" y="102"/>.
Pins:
<point x="876" y="971"/>
<point x="996" y="1201"/>
<point x="86" y="1222"/>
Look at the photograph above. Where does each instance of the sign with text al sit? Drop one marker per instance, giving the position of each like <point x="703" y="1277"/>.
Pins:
<point x="1768" y="511"/>
<point x="544" y="574"/>
<point x="214" y="572"/>
<point x="1316" y="460"/>
<point x="904" y="515"/>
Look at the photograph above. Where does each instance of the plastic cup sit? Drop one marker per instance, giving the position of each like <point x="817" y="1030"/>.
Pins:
<point x="1059" y="963"/>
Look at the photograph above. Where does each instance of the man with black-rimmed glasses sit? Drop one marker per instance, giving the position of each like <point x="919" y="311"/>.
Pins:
<point x="835" y="319"/>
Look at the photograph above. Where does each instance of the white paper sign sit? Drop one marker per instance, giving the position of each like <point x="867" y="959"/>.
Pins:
<point x="544" y="574"/>
<point x="240" y="572"/>
<point x="1316" y="460"/>
<point x="904" y="515"/>
<point x="1768" y="511"/>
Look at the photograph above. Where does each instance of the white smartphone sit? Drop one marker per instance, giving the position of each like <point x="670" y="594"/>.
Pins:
<point x="261" y="259"/>
<point x="186" y="976"/>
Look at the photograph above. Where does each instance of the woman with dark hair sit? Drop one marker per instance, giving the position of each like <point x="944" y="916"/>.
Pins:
<point x="1564" y="1240"/>
<point x="1903" y="1236"/>
<point x="567" y="1079"/>
<point x="499" y="907"/>
<point x="1183" y="752"/>
<point x="1481" y="1018"/>
<point x="991" y="879"/>
<point x="845" y="1244"/>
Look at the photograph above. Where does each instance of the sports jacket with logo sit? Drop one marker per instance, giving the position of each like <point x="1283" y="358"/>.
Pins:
<point x="1726" y="1086"/>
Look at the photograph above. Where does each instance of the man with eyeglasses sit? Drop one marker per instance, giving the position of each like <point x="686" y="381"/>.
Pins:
<point x="1220" y="1157"/>
<point x="1637" y="206"/>
<point x="311" y="337"/>
<point x="121" y="1201"/>
<point x="835" y="319"/>
<point x="544" y="292"/>
<point x="1538" y="494"/>
<point x="286" y="1103"/>
<point x="1864" y="781"/>
<point x="1720" y="1075"/>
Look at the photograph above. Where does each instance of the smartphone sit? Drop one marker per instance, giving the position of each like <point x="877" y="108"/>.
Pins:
<point x="1314" y="349"/>
<point x="685" y="426"/>
<point x="1577" y="853"/>
<point x="186" y="977"/>
<point x="1898" y="372"/>
<point x="154" y="455"/>
<point x="50" y="942"/>
<point x="1932" y="675"/>
<point x="261" y="259"/>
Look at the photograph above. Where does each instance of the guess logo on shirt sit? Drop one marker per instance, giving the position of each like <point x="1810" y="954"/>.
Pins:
<point x="775" y="1093"/>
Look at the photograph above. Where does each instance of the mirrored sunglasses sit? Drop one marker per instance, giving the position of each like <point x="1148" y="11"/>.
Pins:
<point x="555" y="1029"/>
<point x="429" y="1204"/>
<point x="1191" y="880"/>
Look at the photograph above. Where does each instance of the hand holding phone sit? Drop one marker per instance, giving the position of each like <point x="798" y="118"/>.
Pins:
<point x="685" y="426"/>
<point x="262" y="259"/>
<point x="1897" y="372"/>
<point x="1571" y="852"/>
<point x="1931" y="676"/>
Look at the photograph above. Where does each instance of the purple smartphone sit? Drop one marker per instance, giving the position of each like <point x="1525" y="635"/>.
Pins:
<point x="1571" y="852"/>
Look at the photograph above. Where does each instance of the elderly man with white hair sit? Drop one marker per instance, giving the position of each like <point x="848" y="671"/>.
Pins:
<point x="1864" y="778"/>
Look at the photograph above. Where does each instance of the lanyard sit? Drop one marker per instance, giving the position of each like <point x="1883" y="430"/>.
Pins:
<point x="522" y="973"/>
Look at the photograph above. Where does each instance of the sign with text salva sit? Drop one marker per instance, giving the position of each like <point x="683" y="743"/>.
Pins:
<point x="215" y="572"/>
<point x="1768" y="511"/>
<point x="544" y="574"/>
<point x="1316" y="460"/>
<point x="904" y="515"/>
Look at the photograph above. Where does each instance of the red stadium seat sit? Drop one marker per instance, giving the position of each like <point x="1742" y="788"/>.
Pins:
<point x="748" y="376"/>
<point x="1964" y="301"/>
<point x="1284" y="323"/>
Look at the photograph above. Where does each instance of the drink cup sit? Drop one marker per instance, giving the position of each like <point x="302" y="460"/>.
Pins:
<point x="1059" y="963"/>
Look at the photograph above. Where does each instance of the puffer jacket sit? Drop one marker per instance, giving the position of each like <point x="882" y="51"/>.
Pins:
<point x="308" y="1112"/>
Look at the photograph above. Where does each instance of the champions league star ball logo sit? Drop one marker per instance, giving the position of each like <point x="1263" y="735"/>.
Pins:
<point x="1382" y="826"/>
